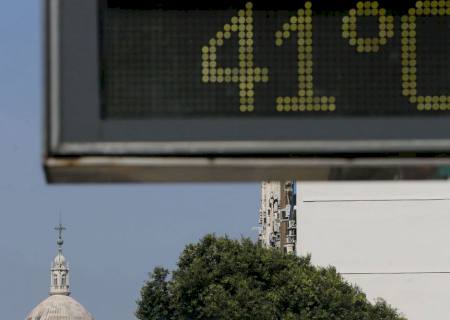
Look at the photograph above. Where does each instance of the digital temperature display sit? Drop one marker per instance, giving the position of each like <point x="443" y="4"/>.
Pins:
<point x="281" y="58"/>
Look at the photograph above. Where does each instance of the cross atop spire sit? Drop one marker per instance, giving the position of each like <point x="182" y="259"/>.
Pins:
<point x="60" y="230"/>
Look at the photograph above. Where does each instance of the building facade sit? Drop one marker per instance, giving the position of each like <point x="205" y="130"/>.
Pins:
<point x="278" y="215"/>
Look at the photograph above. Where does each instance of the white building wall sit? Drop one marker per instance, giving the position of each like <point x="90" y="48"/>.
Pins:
<point x="393" y="241"/>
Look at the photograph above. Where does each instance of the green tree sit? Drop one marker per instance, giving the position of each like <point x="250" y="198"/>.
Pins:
<point x="220" y="278"/>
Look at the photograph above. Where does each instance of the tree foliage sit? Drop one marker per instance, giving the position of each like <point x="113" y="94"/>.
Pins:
<point x="219" y="278"/>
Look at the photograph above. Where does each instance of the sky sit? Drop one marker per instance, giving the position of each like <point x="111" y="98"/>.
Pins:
<point x="116" y="234"/>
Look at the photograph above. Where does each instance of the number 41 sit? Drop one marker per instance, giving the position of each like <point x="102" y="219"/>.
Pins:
<point x="247" y="74"/>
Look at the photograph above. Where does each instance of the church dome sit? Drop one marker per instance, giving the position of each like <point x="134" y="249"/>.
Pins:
<point x="59" y="307"/>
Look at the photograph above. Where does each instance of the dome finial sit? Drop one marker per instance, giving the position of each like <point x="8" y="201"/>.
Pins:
<point x="60" y="268"/>
<point x="60" y="230"/>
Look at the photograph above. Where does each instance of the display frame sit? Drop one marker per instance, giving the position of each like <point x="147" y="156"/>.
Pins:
<point x="75" y="128"/>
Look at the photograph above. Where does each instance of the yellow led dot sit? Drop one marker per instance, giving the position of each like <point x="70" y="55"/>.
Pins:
<point x="250" y="108"/>
<point x="332" y="107"/>
<point x="280" y="108"/>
